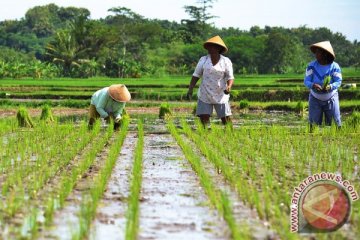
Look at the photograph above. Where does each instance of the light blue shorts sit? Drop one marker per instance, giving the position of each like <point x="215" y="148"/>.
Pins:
<point x="222" y="110"/>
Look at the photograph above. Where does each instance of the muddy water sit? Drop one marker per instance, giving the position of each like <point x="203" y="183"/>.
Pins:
<point x="173" y="204"/>
<point x="110" y="218"/>
<point x="66" y="220"/>
<point x="259" y="229"/>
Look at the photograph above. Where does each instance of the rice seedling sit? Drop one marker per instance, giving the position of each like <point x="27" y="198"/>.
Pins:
<point x="91" y="199"/>
<point x="165" y="111"/>
<point x="300" y="108"/>
<point x="273" y="159"/>
<point x="132" y="214"/>
<point x="216" y="196"/>
<point x="244" y="104"/>
<point x="23" y="118"/>
<point x="46" y="114"/>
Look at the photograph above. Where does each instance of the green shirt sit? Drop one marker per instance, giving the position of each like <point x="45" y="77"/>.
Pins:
<point x="105" y="105"/>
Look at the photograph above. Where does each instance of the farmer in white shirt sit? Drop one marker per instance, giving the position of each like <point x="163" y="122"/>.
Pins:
<point x="109" y="102"/>
<point x="217" y="79"/>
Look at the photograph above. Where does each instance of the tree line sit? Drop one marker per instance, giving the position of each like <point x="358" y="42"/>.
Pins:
<point x="53" y="41"/>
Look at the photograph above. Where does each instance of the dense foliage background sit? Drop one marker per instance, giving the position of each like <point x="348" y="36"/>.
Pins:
<point x="53" y="41"/>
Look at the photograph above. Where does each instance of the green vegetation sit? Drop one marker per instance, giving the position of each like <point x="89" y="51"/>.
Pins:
<point x="255" y="161"/>
<point x="132" y="214"/>
<point x="217" y="197"/>
<point x="91" y="199"/>
<point x="46" y="114"/>
<point x="52" y="41"/>
<point x="165" y="111"/>
<point x="23" y="118"/>
<point x="244" y="104"/>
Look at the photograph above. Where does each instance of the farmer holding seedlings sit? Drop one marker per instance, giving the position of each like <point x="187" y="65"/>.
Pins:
<point x="107" y="103"/>
<point x="323" y="78"/>
<point x="217" y="79"/>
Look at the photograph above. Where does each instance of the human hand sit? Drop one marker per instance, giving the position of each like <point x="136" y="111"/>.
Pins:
<point x="317" y="87"/>
<point x="227" y="90"/>
<point x="327" y="87"/>
<point x="118" y="119"/>
<point x="189" y="94"/>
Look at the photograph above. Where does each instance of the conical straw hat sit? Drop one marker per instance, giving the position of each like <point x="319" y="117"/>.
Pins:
<point x="218" y="41"/>
<point x="325" y="45"/>
<point x="119" y="93"/>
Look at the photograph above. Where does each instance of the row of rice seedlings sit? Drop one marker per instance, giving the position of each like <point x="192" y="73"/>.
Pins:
<point x="6" y="126"/>
<point x="217" y="197"/>
<point x="132" y="213"/>
<point x="22" y="148"/>
<point x="32" y="176"/>
<point x="56" y="199"/>
<point x="24" y="162"/>
<point x="23" y="194"/>
<point x="274" y="159"/>
<point x="91" y="199"/>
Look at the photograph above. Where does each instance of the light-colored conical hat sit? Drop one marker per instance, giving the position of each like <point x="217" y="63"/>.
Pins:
<point x="218" y="41"/>
<point x="119" y="93"/>
<point x="325" y="45"/>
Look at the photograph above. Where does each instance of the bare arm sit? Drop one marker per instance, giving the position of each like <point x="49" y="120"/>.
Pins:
<point x="230" y="82"/>
<point x="191" y="86"/>
<point x="193" y="82"/>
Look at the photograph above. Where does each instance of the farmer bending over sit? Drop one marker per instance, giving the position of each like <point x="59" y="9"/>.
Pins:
<point x="109" y="102"/>
<point x="217" y="79"/>
<point x="323" y="78"/>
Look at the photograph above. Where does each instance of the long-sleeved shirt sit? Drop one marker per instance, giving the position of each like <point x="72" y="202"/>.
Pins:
<point x="316" y="73"/>
<point x="214" y="79"/>
<point x="105" y="105"/>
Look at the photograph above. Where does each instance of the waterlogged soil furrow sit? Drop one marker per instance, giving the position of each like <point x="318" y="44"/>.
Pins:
<point x="110" y="217"/>
<point x="173" y="204"/>
<point x="242" y="213"/>
<point x="66" y="220"/>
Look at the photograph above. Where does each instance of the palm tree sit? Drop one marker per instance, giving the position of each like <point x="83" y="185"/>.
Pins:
<point x="65" y="50"/>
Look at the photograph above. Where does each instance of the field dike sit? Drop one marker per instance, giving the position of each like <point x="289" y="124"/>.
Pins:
<point x="110" y="217"/>
<point x="173" y="205"/>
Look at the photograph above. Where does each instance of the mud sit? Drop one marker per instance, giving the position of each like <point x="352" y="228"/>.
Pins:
<point x="110" y="218"/>
<point x="259" y="229"/>
<point x="66" y="220"/>
<point x="173" y="204"/>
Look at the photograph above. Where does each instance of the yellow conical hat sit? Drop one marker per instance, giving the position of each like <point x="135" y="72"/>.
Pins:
<point x="325" y="45"/>
<point x="218" y="41"/>
<point x="119" y="93"/>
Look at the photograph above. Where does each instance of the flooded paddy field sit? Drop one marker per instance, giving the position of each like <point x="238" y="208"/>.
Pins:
<point x="167" y="179"/>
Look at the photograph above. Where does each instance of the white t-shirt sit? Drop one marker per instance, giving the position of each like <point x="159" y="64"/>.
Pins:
<point x="214" y="79"/>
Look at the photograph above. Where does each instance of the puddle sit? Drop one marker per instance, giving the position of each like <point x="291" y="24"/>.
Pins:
<point x="110" y="219"/>
<point x="173" y="204"/>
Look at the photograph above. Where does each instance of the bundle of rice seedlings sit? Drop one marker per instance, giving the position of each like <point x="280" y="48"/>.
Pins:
<point x="23" y="118"/>
<point x="165" y="112"/>
<point x="46" y="114"/>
